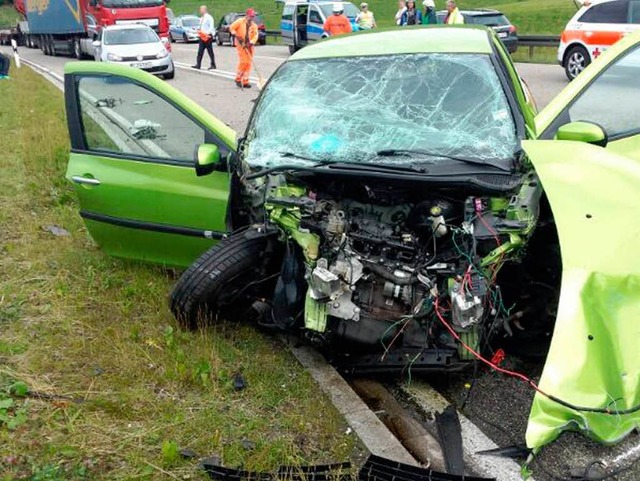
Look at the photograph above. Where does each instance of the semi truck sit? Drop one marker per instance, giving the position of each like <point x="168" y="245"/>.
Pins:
<point x="71" y="26"/>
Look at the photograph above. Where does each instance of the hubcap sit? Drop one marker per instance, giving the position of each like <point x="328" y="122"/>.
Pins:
<point x="576" y="63"/>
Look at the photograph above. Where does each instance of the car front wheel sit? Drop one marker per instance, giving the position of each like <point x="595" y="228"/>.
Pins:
<point x="227" y="278"/>
<point x="576" y="61"/>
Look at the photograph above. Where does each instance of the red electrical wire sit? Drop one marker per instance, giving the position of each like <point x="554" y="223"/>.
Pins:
<point x="525" y="378"/>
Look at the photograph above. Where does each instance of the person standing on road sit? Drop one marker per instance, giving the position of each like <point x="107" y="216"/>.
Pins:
<point x="402" y="7"/>
<point x="206" y="31"/>
<point x="429" y="17"/>
<point x="454" y="17"/>
<point x="338" y="23"/>
<point x="245" y="31"/>
<point x="411" y="16"/>
<point x="365" y="19"/>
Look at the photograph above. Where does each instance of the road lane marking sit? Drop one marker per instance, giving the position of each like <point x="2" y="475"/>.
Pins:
<point x="214" y="73"/>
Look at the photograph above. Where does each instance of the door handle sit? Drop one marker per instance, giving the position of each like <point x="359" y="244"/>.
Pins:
<point x="78" y="179"/>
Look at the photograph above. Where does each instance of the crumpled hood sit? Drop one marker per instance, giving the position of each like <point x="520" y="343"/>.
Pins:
<point x="594" y="358"/>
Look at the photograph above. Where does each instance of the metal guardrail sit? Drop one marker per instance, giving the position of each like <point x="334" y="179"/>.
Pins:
<point x="273" y="33"/>
<point x="533" y="41"/>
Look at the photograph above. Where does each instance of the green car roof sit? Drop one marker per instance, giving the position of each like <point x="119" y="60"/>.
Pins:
<point x="427" y="39"/>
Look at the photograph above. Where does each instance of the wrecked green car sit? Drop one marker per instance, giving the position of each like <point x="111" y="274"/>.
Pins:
<point x="395" y="201"/>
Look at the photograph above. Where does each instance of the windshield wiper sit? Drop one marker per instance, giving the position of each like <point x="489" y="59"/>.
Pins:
<point x="466" y="160"/>
<point x="315" y="163"/>
<point x="375" y="167"/>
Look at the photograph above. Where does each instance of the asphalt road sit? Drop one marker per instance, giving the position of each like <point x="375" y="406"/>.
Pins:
<point x="216" y="91"/>
<point x="500" y="406"/>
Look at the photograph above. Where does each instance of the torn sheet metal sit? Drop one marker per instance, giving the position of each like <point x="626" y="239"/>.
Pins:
<point x="348" y="109"/>
<point x="594" y="360"/>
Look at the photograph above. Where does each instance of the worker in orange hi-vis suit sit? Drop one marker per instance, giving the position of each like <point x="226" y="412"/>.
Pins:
<point x="338" y="23"/>
<point x="245" y="32"/>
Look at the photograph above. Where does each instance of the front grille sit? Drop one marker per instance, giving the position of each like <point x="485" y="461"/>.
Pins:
<point x="136" y="59"/>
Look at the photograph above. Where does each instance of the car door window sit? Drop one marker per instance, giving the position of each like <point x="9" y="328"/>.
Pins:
<point x="609" y="12"/>
<point x="287" y="12"/>
<point x="314" y="16"/>
<point x="634" y="12"/>
<point x="123" y="118"/>
<point x="613" y="99"/>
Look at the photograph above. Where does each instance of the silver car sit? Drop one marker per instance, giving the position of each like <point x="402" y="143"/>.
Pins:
<point x="185" y="28"/>
<point x="137" y="46"/>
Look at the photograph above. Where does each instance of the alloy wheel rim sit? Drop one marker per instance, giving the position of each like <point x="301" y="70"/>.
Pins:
<point x="576" y="63"/>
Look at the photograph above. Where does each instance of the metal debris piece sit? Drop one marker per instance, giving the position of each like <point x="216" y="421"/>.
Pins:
<point x="248" y="444"/>
<point x="56" y="231"/>
<point x="188" y="453"/>
<point x="450" y="433"/>
<point x="238" y="382"/>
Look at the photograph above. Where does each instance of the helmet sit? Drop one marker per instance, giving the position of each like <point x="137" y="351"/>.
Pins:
<point x="338" y="8"/>
<point x="251" y="12"/>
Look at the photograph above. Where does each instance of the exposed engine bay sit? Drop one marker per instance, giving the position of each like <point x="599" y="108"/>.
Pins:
<point x="390" y="275"/>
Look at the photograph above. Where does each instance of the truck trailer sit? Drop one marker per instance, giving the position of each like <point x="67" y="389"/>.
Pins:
<point x="71" y="26"/>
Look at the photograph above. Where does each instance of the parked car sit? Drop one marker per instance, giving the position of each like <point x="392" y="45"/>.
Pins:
<point x="416" y="232"/>
<point x="593" y="29"/>
<point x="136" y="46"/>
<point x="506" y="31"/>
<point x="223" y="35"/>
<point x="184" y="28"/>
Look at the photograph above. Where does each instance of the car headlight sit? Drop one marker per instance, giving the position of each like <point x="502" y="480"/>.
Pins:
<point x="163" y="53"/>
<point x="112" y="57"/>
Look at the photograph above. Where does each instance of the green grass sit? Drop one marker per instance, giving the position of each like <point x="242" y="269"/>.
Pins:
<point x="530" y="16"/>
<point x="8" y="16"/>
<point x="126" y="388"/>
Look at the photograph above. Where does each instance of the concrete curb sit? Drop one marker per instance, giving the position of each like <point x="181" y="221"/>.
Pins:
<point x="473" y="439"/>
<point x="52" y="77"/>
<point x="371" y="431"/>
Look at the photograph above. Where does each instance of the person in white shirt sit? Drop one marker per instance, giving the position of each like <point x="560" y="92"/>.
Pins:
<point x="206" y="33"/>
<point x="402" y="7"/>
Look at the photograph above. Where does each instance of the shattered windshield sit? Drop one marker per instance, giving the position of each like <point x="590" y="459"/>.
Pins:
<point x="349" y="109"/>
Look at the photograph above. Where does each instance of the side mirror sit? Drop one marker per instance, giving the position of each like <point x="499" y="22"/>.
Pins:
<point x="583" y="132"/>
<point x="96" y="43"/>
<point x="207" y="158"/>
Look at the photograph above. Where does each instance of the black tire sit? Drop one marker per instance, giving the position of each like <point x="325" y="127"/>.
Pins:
<point x="263" y="41"/>
<point x="77" y="49"/>
<point x="171" y="75"/>
<point x="575" y="61"/>
<point x="292" y="49"/>
<point x="171" y="39"/>
<point x="218" y="40"/>
<point x="215" y="283"/>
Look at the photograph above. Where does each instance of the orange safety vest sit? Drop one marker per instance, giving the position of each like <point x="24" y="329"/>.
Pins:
<point x="337" y="25"/>
<point x="239" y="30"/>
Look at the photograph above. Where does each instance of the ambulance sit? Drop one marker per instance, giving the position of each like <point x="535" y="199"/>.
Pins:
<point x="595" y="27"/>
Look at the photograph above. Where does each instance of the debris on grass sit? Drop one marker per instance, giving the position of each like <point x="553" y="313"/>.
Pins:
<point x="56" y="231"/>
